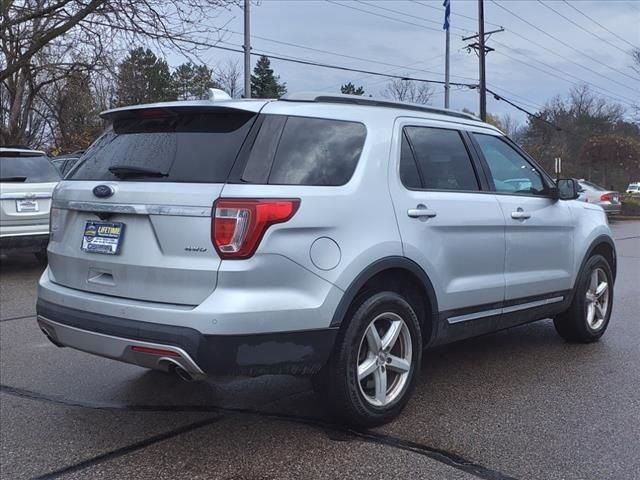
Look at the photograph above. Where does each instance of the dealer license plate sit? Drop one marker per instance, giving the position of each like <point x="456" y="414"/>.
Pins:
<point x="24" y="206"/>
<point x="102" y="237"/>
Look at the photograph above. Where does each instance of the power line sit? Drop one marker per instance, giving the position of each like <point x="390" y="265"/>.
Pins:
<point x="617" y="98"/>
<point x="602" y="26"/>
<point x="335" y="67"/>
<point x="398" y="12"/>
<point x="384" y="16"/>
<point x="328" y="52"/>
<point x="565" y="44"/>
<point x="581" y="80"/>
<point x="626" y="99"/>
<point x="581" y="27"/>
<point x="439" y="9"/>
<point x="518" y="107"/>
<point x="380" y="74"/>
<point x="522" y="99"/>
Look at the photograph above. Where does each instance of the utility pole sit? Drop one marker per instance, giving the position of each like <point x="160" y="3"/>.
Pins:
<point x="481" y="49"/>
<point x="247" y="50"/>
<point x="447" y="87"/>
<point x="482" y="55"/>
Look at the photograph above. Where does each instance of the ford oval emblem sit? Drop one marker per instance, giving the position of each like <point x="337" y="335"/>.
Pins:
<point x="103" y="191"/>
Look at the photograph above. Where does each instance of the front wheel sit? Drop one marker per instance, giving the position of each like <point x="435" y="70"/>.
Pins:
<point x="375" y="364"/>
<point x="588" y="316"/>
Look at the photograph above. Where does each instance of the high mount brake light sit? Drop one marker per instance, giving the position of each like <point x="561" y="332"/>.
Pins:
<point x="238" y="224"/>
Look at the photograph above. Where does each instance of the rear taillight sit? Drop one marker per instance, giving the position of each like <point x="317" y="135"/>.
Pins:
<point x="605" y="197"/>
<point x="239" y="224"/>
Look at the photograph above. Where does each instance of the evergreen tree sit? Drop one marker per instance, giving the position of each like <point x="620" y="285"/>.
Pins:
<point x="143" y="78"/>
<point x="192" y="82"/>
<point x="264" y="84"/>
<point x="76" y="111"/>
<point x="350" y="89"/>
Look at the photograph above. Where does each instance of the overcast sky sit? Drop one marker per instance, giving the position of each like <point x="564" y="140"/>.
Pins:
<point x="528" y="66"/>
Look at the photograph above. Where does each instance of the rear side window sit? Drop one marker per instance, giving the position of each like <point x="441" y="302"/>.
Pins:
<point x="27" y="169"/>
<point x="442" y="160"/>
<point x="304" y="151"/>
<point x="180" y="146"/>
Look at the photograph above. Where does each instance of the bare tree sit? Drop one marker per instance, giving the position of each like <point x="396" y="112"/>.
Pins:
<point x="228" y="76"/>
<point x="45" y="41"/>
<point x="408" y="91"/>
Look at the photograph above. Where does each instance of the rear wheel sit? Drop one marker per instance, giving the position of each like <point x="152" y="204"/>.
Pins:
<point x="375" y="364"/>
<point x="588" y="316"/>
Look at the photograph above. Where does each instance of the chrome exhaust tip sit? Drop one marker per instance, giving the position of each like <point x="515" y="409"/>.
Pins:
<point x="177" y="369"/>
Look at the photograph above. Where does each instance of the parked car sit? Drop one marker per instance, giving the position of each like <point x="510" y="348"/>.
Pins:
<point x="582" y="193"/>
<point x="634" y="189"/>
<point x="64" y="163"/>
<point x="27" y="179"/>
<point x="609" y="200"/>
<point x="323" y="235"/>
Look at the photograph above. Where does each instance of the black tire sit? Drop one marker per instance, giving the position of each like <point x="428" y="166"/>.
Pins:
<point x="41" y="255"/>
<point x="573" y="324"/>
<point x="337" y="383"/>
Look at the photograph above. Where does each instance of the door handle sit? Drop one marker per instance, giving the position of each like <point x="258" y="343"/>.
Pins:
<point x="520" y="214"/>
<point x="421" y="211"/>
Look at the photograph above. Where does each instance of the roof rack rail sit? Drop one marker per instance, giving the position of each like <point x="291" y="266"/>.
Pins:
<point x="373" y="102"/>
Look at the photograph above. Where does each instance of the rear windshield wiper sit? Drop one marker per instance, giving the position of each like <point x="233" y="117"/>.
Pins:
<point x="126" y="171"/>
<point x="13" y="179"/>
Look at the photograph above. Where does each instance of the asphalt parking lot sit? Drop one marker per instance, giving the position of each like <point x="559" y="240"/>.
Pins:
<point x="516" y="404"/>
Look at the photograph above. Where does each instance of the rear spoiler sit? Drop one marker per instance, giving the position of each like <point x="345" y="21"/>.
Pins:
<point x="185" y="106"/>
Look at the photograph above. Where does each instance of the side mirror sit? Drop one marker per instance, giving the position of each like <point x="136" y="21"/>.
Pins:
<point x="568" y="189"/>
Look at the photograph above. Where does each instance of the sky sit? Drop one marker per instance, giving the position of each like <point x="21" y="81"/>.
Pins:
<point x="539" y="55"/>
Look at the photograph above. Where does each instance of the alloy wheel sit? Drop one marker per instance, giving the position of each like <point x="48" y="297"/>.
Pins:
<point x="384" y="359"/>
<point x="597" y="299"/>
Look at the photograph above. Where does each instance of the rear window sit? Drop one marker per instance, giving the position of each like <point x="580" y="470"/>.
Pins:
<point x="27" y="168"/>
<point x="304" y="151"/>
<point x="184" y="147"/>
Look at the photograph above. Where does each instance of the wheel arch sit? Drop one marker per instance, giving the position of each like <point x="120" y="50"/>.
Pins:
<point x="601" y="245"/>
<point x="403" y="271"/>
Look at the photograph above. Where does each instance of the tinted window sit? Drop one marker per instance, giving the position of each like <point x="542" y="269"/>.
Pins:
<point x="408" y="169"/>
<point x="27" y="169"/>
<point x="308" y="151"/>
<point x="511" y="172"/>
<point x="442" y="158"/>
<point x="187" y="147"/>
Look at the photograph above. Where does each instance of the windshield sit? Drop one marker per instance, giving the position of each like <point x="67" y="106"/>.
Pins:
<point x="170" y="146"/>
<point x="31" y="168"/>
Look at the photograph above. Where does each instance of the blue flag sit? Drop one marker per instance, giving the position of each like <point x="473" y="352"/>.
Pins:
<point x="447" y="11"/>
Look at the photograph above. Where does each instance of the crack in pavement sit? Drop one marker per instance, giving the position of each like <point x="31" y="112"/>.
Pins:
<point x="451" y="459"/>
<point x="17" y="318"/>
<point x="119" y="452"/>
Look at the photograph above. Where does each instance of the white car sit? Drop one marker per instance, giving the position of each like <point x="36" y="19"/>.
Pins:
<point x="27" y="180"/>
<point x="634" y="189"/>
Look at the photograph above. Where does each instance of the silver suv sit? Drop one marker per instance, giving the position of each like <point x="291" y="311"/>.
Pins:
<point x="329" y="236"/>
<point x="27" y="179"/>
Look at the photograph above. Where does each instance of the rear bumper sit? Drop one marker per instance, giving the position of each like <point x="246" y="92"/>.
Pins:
<point x="25" y="241"/>
<point x="297" y="353"/>
<point x="611" y="208"/>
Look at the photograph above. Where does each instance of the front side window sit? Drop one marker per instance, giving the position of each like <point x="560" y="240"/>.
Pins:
<point x="442" y="160"/>
<point x="511" y="172"/>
